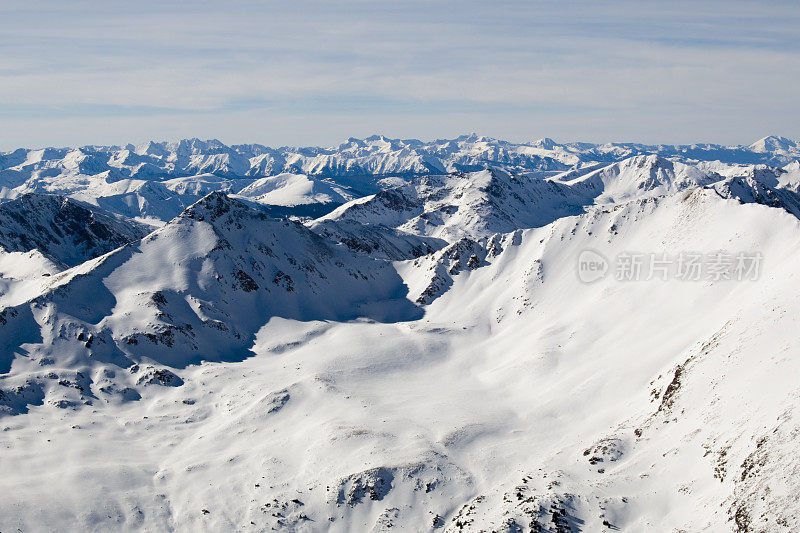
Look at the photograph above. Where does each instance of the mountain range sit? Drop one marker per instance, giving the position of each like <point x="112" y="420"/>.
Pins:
<point x="157" y="180"/>
<point x="396" y="334"/>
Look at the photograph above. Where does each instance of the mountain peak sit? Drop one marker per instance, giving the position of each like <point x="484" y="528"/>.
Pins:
<point x="215" y="205"/>
<point x="472" y="137"/>
<point x="773" y="143"/>
<point x="545" y="142"/>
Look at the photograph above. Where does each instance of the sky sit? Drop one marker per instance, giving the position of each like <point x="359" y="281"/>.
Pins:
<point x="306" y="72"/>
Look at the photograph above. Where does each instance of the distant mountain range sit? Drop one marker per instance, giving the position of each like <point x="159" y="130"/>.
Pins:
<point x="157" y="180"/>
<point x="375" y="157"/>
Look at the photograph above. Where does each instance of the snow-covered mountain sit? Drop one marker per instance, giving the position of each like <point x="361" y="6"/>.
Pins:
<point x="199" y="288"/>
<point x="420" y="351"/>
<point x="374" y="156"/>
<point x="775" y="145"/>
<point x="635" y="177"/>
<point x="476" y="204"/>
<point x="157" y="180"/>
<point x="63" y="230"/>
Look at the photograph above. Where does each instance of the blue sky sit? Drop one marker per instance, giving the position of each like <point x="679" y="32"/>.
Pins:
<point x="304" y="72"/>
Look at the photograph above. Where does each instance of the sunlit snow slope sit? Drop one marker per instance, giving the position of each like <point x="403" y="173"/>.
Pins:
<point x="423" y="358"/>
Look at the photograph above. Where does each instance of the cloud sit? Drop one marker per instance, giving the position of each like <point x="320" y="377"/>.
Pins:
<point x="679" y="70"/>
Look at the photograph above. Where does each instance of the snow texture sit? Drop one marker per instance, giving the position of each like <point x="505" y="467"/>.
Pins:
<point x="390" y="334"/>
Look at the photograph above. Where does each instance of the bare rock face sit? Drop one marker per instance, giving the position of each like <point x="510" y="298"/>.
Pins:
<point x="158" y="376"/>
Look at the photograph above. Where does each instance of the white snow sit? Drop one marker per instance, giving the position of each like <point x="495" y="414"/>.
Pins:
<point x="422" y="358"/>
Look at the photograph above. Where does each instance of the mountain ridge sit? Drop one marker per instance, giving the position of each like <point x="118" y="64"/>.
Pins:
<point x="342" y="352"/>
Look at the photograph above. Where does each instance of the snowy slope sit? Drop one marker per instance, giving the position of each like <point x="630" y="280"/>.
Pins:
<point x="294" y="189"/>
<point x="377" y="240"/>
<point x="522" y="397"/>
<point x="425" y="357"/>
<point x="790" y="177"/>
<point x="650" y="399"/>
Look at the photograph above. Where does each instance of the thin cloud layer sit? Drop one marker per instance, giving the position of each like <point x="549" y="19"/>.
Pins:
<point x="316" y="72"/>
